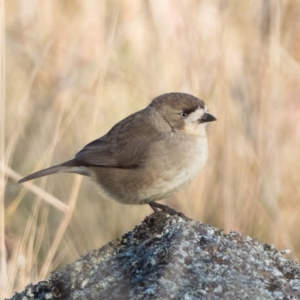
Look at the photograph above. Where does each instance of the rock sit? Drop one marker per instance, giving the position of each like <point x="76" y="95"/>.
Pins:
<point x="172" y="257"/>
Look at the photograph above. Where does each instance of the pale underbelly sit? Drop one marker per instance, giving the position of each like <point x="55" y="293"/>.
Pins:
<point x="166" y="176"/>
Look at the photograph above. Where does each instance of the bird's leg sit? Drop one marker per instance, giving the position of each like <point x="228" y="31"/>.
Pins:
<point x="152" y="205"/>
<point x="156" y="206"/>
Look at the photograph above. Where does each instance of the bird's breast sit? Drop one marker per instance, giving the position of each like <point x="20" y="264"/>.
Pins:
<point x="177" y="163"/>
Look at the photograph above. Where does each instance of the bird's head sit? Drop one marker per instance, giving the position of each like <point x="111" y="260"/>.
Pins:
<point x="183" y="112"/>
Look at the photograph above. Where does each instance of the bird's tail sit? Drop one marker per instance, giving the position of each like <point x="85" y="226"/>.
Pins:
<point x="70" y="166"/>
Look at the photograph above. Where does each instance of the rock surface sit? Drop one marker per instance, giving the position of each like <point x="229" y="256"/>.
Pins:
<point x="171" y="257"/>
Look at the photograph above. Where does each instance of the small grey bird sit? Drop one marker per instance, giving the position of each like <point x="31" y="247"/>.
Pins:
<point x="149" y="155"/>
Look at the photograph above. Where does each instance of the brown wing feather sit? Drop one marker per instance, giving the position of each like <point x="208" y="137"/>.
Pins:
<point x="125" y="145"/>
<point x="97" y="153"/>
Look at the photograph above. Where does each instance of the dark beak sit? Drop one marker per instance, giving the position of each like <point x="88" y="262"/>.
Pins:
<point x="207" y="118"/>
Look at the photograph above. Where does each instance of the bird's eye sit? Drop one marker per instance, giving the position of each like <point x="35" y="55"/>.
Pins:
<point x="183" y="115"/>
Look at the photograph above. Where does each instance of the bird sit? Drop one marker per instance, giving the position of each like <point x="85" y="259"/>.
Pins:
<point x="149" y="155"/>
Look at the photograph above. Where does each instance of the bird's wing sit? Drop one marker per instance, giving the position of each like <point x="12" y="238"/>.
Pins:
<point x="97" y="153"/>
<point x="126" y="145"/>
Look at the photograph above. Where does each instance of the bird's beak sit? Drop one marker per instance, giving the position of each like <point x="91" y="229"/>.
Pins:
<point x="207" y="118"/>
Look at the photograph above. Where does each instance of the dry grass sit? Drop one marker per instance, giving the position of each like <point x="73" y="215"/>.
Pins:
<point x="72" y="69"/>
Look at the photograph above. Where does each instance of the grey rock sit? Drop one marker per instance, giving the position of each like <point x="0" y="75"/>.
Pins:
<point x="172" y="257"/>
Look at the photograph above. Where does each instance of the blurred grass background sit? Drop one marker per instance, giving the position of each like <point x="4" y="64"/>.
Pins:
<point x="72" y="69"/>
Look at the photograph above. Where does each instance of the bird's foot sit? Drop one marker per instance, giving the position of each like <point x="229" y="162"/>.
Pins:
<point x="157" y="206"/>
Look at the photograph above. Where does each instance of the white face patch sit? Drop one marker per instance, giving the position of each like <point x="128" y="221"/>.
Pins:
<point x="192" y="124"/>
<point x="196" y="115"/>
